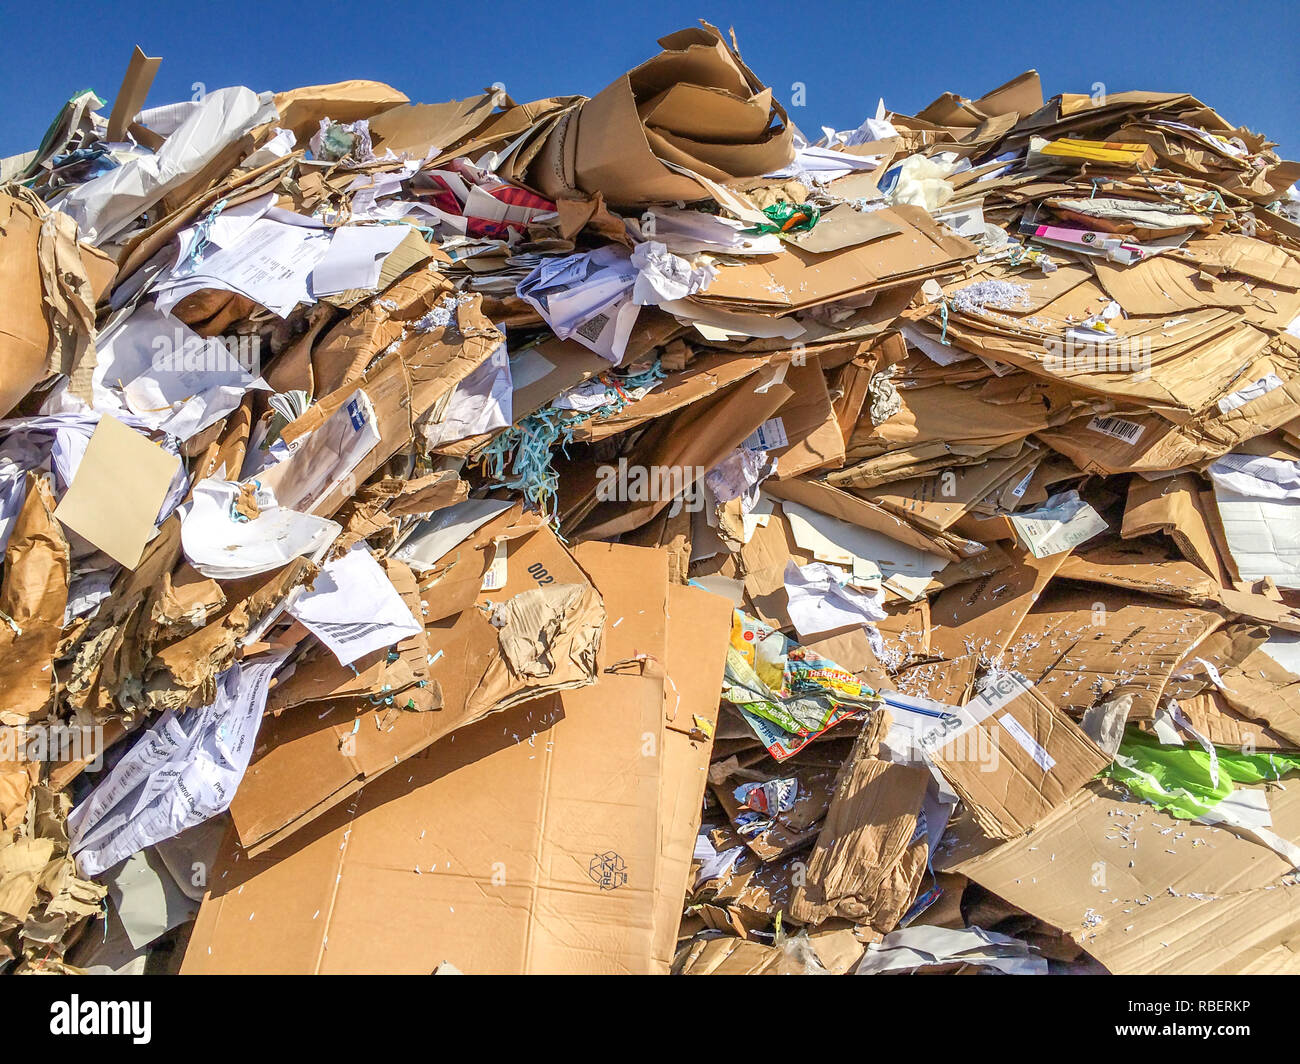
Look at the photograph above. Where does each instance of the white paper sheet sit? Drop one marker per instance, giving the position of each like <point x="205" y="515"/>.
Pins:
<point x="714" y="864"/>
<point x="280" y="145"/>
<point x="327" y="457"/>
<point x="1257" y="477"/>
<point x="169" y="377"/>
<point x="1263" y="535"/>
<point x="921" y="944"/>
<point x="480" y="403"/>
<point x="825" y="164"/>
<point x="106" y="205"/>
<point x="228" y="227"/>
<point x="434" y="537"/>
<point x="182" y="772"/>
<point x="353" y="608"/>
<point x="841" y="543"/>
<point x="355" y="258"/>
<point x="689" y="232"/>
<point x="819" y="603"/>
<point x="223" y="548"/>
<point x="662" y="276"/>
<point x="587" y="298"/>
<point x="270" y="264"/>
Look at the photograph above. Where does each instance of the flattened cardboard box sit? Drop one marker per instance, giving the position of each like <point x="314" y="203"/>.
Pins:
<point x="678" y="447"/>
<point x="936" y="502"/>
<point x="808" y="422"/>
<point x="867" y="863"/>
<point x="1171" y="506"/>
<point x="705" y="376"/>
<point x="1147" y="894"/>
<point x="726" y="955"/>
<point x="526" y="843"/>
<point x="699" y="632"/>
<point x="1014" y="757"/>
<point x="1143" y="566"/>
<point x="782" y="284"/>
<point x="981" y="618"/>
<point x="824" y="498"/>
<point x="308" y="761"/>
<point x="1082" y="645"/>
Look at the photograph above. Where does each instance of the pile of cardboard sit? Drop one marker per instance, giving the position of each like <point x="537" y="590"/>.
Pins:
<point x="625" y="535"/>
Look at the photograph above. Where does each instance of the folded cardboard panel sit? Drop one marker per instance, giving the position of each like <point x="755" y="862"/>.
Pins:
<point x="1013" y="757"/>
<point x="308" y="759"/>
<point x="1147" y="894"/>
<point x="529" y="842"/>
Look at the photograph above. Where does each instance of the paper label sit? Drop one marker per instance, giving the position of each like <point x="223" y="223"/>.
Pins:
<point x="958" y="720"/>
<point x="1062" y="523"/>
<point x="529" y="367"/>
<point x="1023" y="486"/>
<point x="495" y="578"/>
<point x="1117" y="428"/>
<point x="1045" y="760"/>
<point x="769" y="436"/>
<point x="1249" y="393"/>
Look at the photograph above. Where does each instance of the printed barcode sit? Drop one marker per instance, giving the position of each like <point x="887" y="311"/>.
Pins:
<point x="349" y="633"/>
<point x="1118" y="428"/>
<point x="593" y="327"/>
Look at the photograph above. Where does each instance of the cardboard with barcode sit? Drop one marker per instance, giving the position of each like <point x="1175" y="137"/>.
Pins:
<point x="1157" y="441"/>
<point x="1012" y="756"/>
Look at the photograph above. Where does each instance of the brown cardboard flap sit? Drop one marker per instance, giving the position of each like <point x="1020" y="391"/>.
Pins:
<point x="330" y="755"/>
<point x="699" y="631"/>
<point x="693" y="109"/>
<point x="32" y="599"/>
<point x="797" y="279"/>
<point x="865" y="866"/>
<point x="1014" y="758"/>
<point x="708" y="113"/>
<point x="528" y="843"/>
<point x="1132" y="885"/>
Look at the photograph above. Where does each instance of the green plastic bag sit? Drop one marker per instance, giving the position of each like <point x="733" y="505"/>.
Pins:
<point x="1179" y="779"/>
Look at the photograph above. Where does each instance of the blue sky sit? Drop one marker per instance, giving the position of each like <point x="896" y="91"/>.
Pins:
<point x="1239" y="58"/>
